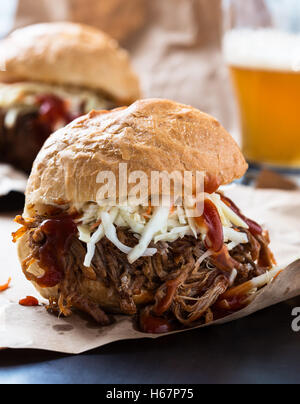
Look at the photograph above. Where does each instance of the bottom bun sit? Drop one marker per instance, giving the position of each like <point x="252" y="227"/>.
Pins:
<point x="96" y="291"/>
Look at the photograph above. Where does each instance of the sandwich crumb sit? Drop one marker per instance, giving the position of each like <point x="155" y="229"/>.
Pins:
<point x="5" y="286"/>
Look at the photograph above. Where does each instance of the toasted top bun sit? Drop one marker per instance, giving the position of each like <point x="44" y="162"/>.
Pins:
<point x="69" y="54"/>
<point x="150" y="135"/>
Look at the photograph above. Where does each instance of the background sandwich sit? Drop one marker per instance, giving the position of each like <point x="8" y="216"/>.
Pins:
<point x="169" y="269"/>
<point x="53" y="73"/>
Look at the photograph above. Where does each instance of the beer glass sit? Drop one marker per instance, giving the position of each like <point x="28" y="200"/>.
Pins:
<point x="262" y="48"/>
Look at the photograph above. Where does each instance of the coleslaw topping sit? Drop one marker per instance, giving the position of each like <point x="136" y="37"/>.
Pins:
<point x="151" y="226"/>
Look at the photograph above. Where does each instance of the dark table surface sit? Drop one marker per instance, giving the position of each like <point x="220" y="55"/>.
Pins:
<point x="259" y="349"/>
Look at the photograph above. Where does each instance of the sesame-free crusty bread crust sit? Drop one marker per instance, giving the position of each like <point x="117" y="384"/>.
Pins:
<point x="69" y="54"/>
<point x="150" y="135"/>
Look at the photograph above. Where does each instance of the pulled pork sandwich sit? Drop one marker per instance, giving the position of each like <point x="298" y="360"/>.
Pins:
<point x="158" y="264"/>
<point x="51" y="74"/>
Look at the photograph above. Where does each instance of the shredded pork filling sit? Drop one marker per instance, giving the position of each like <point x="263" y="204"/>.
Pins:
<point x="184" y="282"/>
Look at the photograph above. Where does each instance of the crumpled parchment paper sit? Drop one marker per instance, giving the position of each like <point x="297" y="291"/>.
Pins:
<point x="24" y="327"/>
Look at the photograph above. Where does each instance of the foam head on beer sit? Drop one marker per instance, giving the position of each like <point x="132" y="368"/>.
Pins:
<point x="265" y="67"/>
<point x="267" y="49"/>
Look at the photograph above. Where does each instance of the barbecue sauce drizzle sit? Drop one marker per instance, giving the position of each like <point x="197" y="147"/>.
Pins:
<point x="53" y="109"/>
<point x="29" y="301"/>
<point x="154" y="325"/>
<point x="212" y="221"/>
<point x="254" y="227"/>
<point x="58" y="234"/>
<point x="211" y="184"/>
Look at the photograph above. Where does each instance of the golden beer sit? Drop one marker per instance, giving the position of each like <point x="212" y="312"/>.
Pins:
<point x="270" y="115"/>
<point x="263" y="66"/>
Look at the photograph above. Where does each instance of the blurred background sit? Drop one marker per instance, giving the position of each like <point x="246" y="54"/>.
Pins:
<point x="237" y="60"/>
<point x="175" y="45"/>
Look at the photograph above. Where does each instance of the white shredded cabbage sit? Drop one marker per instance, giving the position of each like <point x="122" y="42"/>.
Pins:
<point x="233" y="276"/>
<point x="84" y="234"/>
<point x="133" y="220"/>
<point x="155" y="225"/>
<point x="216" y="199"/>
<point x="232" y="216"/>
<point x="235" y="236"/>
<point x="195" y="229"/>
<point x="173" y="234"/>
<point x="96" y="237"/>
<point x="232" y="245"/>
<point x="162" y="224"/>
<point x="111" y="233"/>
<point x="181" y="215"/>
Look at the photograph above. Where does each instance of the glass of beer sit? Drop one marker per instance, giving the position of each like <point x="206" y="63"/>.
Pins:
<point x="262" y="48"/>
